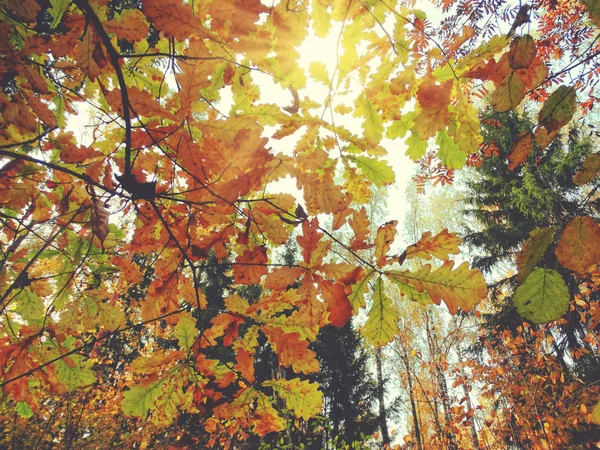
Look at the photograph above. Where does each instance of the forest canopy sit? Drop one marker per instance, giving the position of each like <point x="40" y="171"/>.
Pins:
<point x="151" y="269"/>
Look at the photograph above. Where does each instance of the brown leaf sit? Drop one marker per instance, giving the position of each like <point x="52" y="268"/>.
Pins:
<point x="99" y="219"/>
<point x="520" y="150"/>
<point x="579" y="245"/>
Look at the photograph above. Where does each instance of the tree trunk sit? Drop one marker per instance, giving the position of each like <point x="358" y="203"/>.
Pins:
<point x="443" y="385"/>
<point x="413" y="406"/>
<point x="380" y="391"/>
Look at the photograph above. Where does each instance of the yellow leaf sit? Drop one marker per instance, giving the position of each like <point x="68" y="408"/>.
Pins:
<point x="302" y="397"/>
<point x="318" y="71"/>
<point x="462" y="288"/>
<point x="441" y="246"/>
<point x="381" y="327"/>
<point x="509" y="93"/>
<point x="373" y="124"/>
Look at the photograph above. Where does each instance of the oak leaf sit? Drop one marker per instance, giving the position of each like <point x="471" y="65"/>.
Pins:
<point x="338" y="305"/>
<point x="129" y="25"/>
<point x="385" y="237"/>
<point x="441" y="246"/>
<point x="250" y="266"/>
<point x="292" y="350"/>
<point x="462" y="288"/>
<point x="175" y="19"/>
<point x="309" y="239"/>
<point x="381" y="328"/>
<point x="302" y="397"/>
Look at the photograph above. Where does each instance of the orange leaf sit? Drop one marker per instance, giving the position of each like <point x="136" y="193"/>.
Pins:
<point x="280" y="279"/>
<point x="130" y="26"/>
<point x="343" y="273"/>
<point x="309" y="239"/>
<point x="360" y="224"/>
<point x="99" y="219"/>
<point x="440" y="246"/>
<point x="492" y="71"/>
<point x="196" y="75"/>
<point x="467" y="33"/>
<point x="338" y="305"/>
<point x="175" y="19"/>
<point x="292" y="351"/>
<point x="72" y="154"/>
<point x="520" y="150"/>
<point x="533" y="75"/>
<point x="434" y="100"/>
<point x="579" y="245"/>
<point x="383" y="241"/>
<point x="250" y="266"/>
<point x="322" y="194"/>
<point x="245" y="364"/>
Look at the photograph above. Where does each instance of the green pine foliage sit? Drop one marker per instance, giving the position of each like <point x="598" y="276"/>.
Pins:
<point x="507" y="205"/>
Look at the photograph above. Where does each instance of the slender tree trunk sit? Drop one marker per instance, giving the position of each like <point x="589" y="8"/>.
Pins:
<point x="380" y="391"/>
<point x="443" y="385"/>
<point x="411" y="397"/>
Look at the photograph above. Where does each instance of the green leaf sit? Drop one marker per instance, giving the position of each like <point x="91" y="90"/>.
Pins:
<point x="359" y="290"/>
<point x="596" y="414"/>
<point x="400" y="127"/>
<point x="23" y="410"/>
<point x="376" y="170"/>
<point x="412" y="293"/>
<point x="533" y="251"/>
<point x="185" y="331"/>
<point x="58" y="10"/>
<point x="416" y="148"/>
<point x="543" y="297"/>
<point x="373" y="124"/>
<point x="381" y="327"/>
<point x="302" y="397"/>
<point x="449" y="154"/>
<point x="485" y="51"/>
<point x="559" y="109"/>
<point x="138" y="400"/>
<point x="30" y="306"/>
<point x="75" y="373"/>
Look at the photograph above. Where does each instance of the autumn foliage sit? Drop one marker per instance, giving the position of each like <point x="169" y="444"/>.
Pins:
<point x="107" y="236"/>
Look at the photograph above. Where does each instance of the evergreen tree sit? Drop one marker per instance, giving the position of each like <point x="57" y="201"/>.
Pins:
<point x="508" y="205"/>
